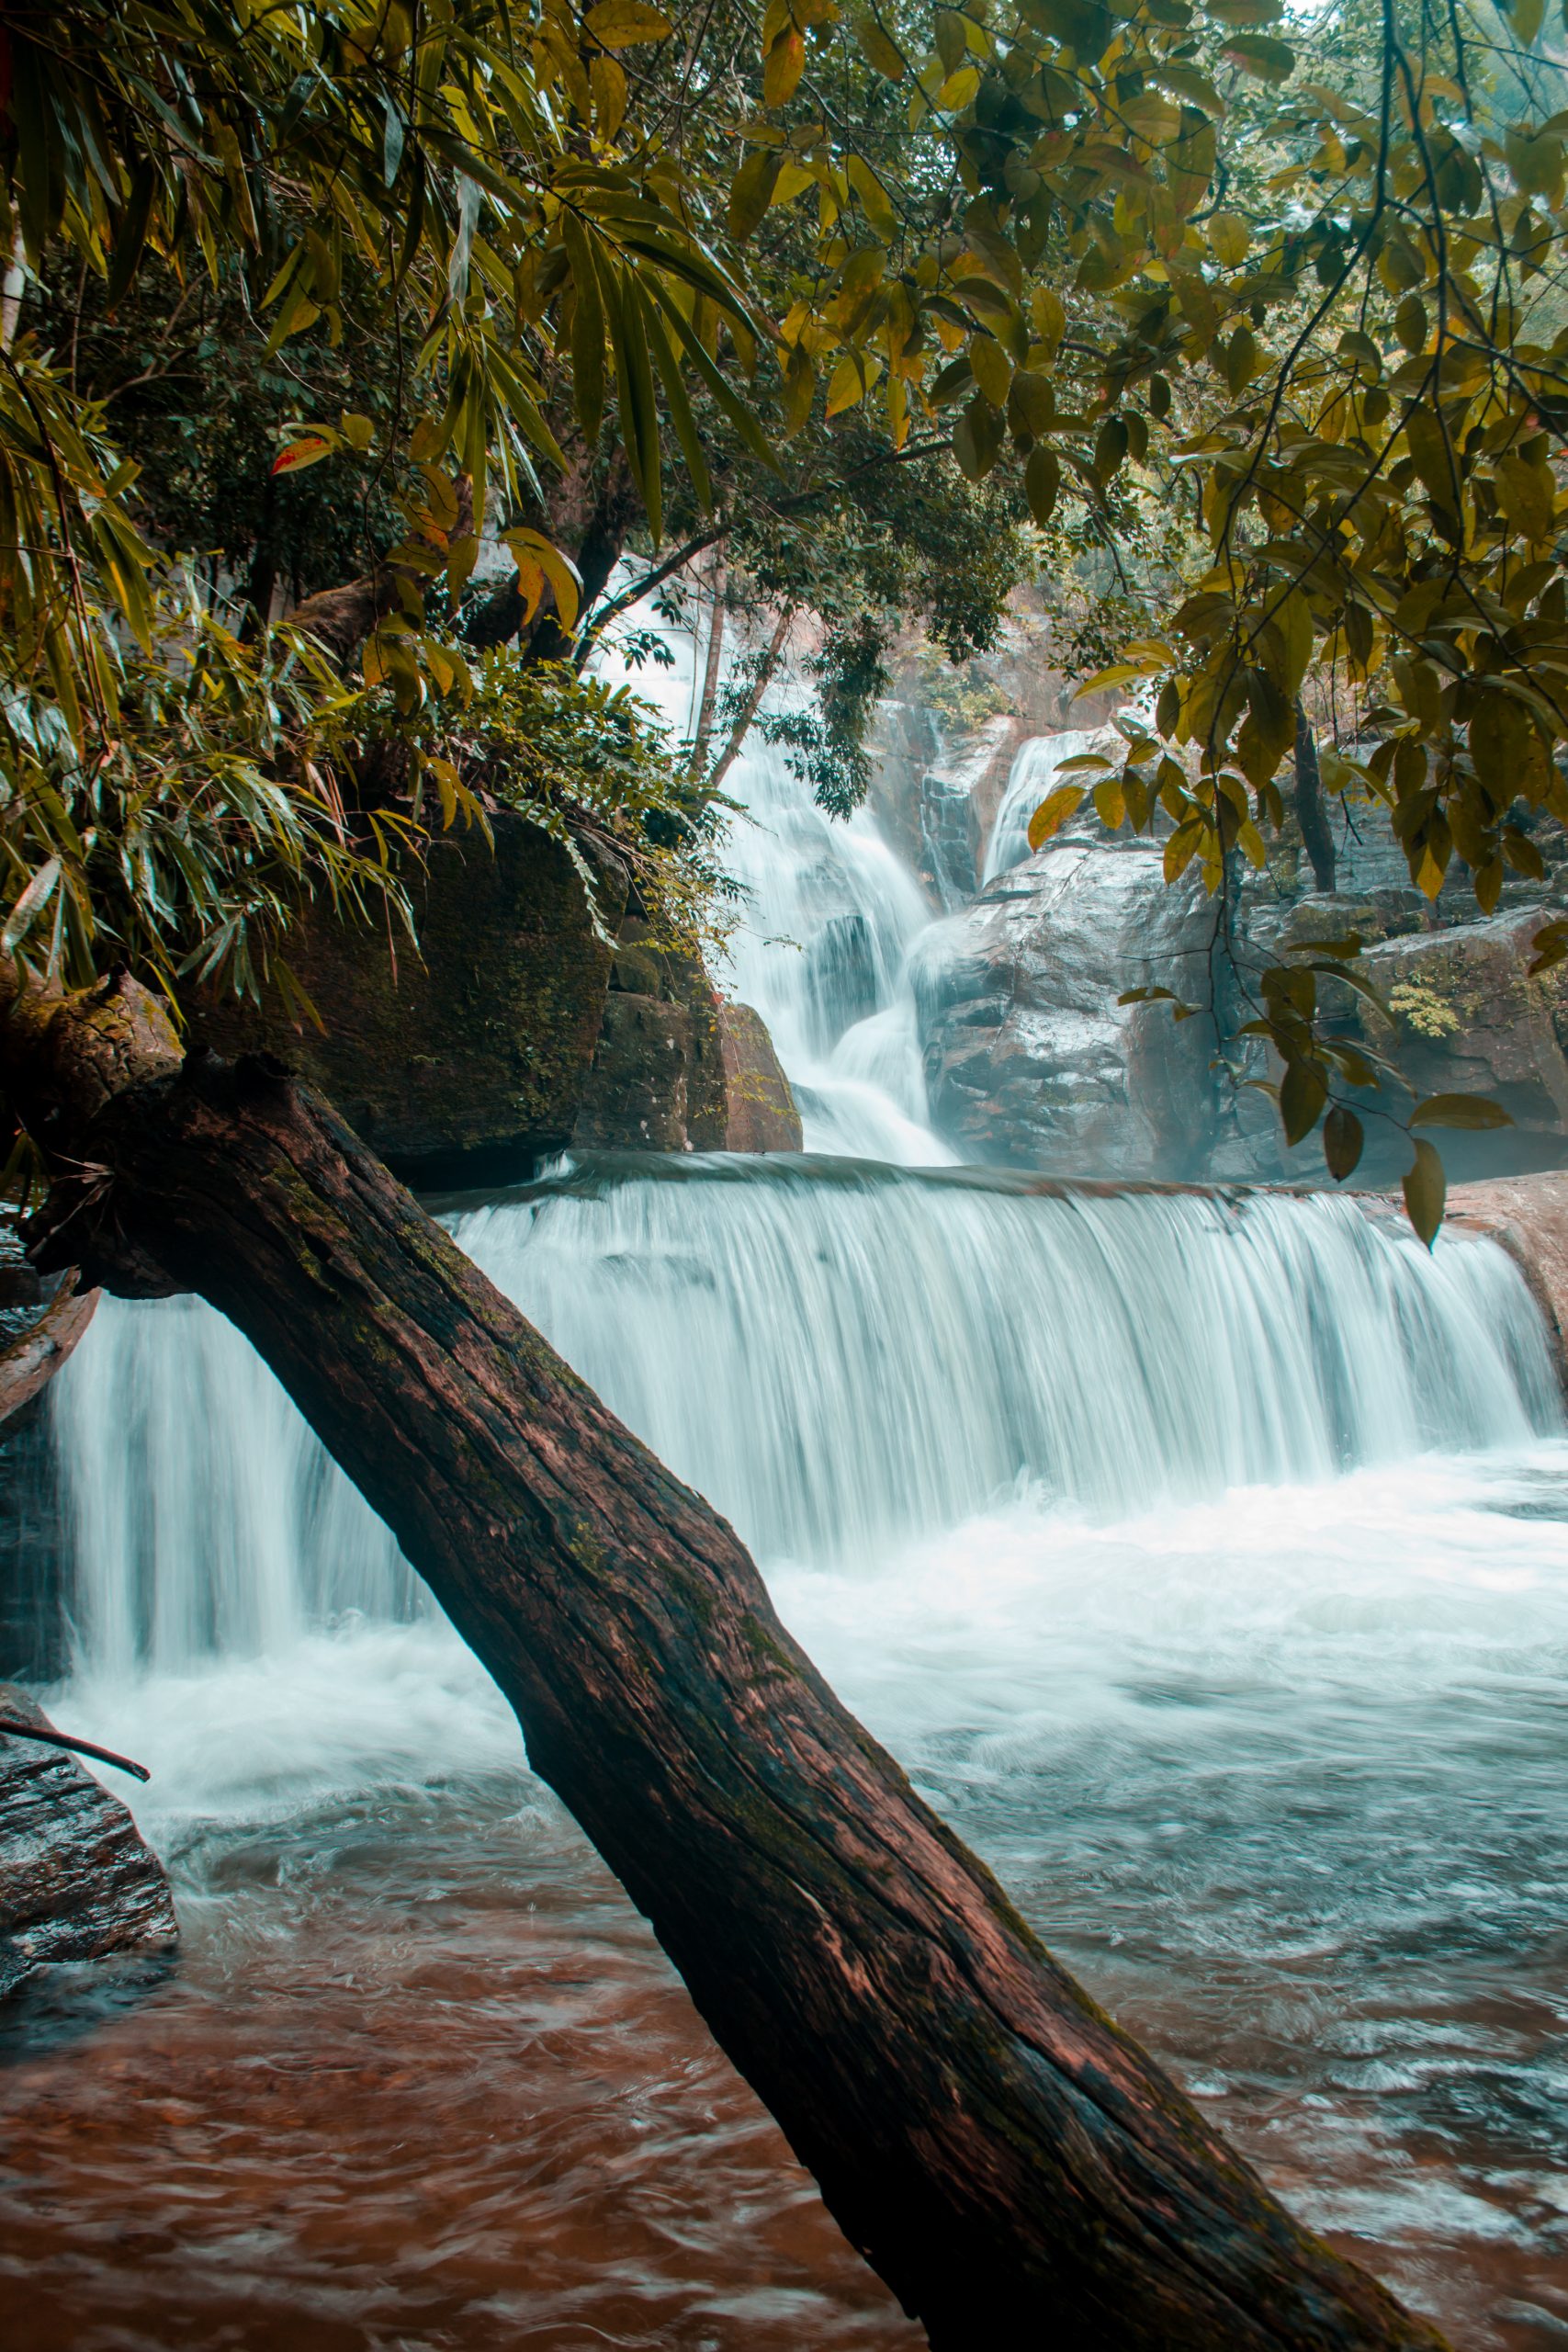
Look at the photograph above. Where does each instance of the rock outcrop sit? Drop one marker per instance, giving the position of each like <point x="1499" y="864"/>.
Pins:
<point x="1029" y="1061"/>
<point x="679" y="1069"/>
<point x="463" y="1061"/>
<point x="77" y="1880"/>
<point x="42" y="1319"/>
<point x="1528" y="1215"/>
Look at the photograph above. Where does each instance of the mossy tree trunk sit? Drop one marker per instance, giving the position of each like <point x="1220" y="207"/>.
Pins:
<point x="1017" y="2169"/>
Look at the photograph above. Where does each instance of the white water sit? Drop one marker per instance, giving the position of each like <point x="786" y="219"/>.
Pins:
<point x="1036" y="767"/>
<point x="821" y="949"/>
<point x="1209" y="1568"/>
<point x="842" y="1359"/>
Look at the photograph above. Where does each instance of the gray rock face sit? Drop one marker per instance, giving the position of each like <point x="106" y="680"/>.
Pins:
<point x="1029" y="1061"/>
<point x="77" y="1882"/>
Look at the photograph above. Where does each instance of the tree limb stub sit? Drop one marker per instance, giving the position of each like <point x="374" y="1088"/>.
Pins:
<point x="1017" y="2169"/>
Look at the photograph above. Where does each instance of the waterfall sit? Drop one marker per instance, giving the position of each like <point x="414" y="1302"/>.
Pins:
<point x="823" y="954"/>
<point x="1036" y="767"/>
<point x="828" y="916"/>
<point x="840" y="1357"/>
<point x="202" y="1515"/>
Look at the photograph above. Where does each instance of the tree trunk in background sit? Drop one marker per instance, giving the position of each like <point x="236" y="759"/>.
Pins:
<point x="1016" y="2167"/>
<point x="753" y="703"/>
<point x="718" y="575"/>
<point x="1312" y="812"/>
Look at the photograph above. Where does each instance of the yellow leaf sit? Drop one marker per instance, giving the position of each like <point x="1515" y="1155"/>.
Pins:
<point x="608" y="84"/>
<point x="791" y="179"/>
<point x="1229" y="237"/>
<point x="623" y="24"/>
<point x="1049" y="317"/>
<point x="1054" y="812"/>
<point x="991" y="370"/>
<point x="851" y="381"/>
<point x="304" y="452"/>
<point x="878" y="49"/>
<point x="782" y="70"/>
<point x="872" y="195"/>
<point x="533" y="553"/>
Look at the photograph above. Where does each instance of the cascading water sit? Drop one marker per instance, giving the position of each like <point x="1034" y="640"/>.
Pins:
<point x="1204" y="1559"/>
<point x="845" y="1360"/>
<point x="828" y="916"/>
<point x="1035" y="768"/>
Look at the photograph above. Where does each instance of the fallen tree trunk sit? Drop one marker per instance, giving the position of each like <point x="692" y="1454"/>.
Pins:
<point x="1015" y="2167"/>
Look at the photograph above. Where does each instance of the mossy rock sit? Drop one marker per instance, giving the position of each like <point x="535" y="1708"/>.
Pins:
<point x="462" y="1060"/>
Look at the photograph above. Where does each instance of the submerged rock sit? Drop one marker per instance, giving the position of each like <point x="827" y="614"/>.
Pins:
<point x="77" y="1880"/>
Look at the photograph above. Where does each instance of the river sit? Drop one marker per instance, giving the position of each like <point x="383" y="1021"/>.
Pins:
<point x="1206" y="1561"/>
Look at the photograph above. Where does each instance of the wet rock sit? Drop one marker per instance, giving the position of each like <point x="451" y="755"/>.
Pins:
<point x="1029" y="1061"/>
<point x="1468" y="1019"/>
<point x="637" y="1097"/>
<point x="760" y="1109"/>
<point x="1529" y="1217"/>
<point x="76" y="1880"/>
<point x="35" y="1549"/>
<point x="676" y="1067"/>
<point x="463" y="1061"/>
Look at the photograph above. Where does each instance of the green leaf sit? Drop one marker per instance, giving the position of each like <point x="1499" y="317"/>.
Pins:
<point x="1535" y="158"/>
<point x="977" y="438"/>
<point x="782" y="67"/>
<point x="681" y="412"/>
<point x="1303" y="1090"/>
<point x="587" y="330"/>
<point x="1343" y="1141"/>
<point x="878" y="49"/>
<point x="1426" y="1189"/>
<point x="1259" y="53"/>
<point x="751" y="191"/>
<point x="1472" y="1111"/>
<point x="30" y="905"/>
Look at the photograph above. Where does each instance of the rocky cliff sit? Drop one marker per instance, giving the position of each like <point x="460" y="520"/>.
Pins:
<point x="1030" y="1062"/>
<point x="517" y="1027"/>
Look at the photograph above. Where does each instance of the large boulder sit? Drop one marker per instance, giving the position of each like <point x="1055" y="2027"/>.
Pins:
<point x="76" y="1880"/>
<point x="678" y="1068"/>
<point x="463" y="1061"/>
<point x="1029" y="1061"/>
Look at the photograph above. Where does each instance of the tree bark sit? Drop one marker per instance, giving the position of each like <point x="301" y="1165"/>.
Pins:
<point x="718" y="577"/>
<point x="1018" y="2169"/>
<point x="1312" y="813"/>
<point x="752" y="703"/>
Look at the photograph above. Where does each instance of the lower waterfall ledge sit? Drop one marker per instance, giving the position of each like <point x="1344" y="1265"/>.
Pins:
<point x="77" y="1880"/>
